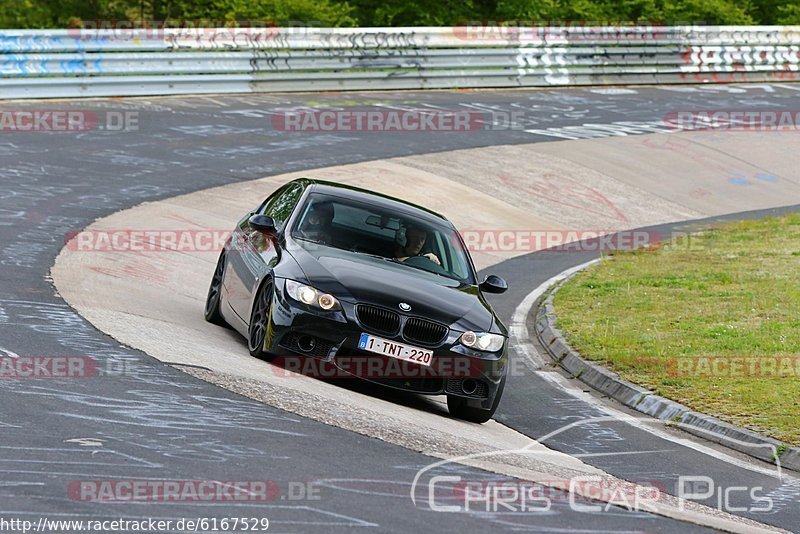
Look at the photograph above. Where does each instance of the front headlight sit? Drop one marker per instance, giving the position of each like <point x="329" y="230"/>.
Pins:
<point x="311" y="296"/>
<point x="482" y="341"/>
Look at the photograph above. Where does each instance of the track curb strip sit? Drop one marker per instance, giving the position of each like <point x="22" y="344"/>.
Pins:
<point x="645" y="401"/>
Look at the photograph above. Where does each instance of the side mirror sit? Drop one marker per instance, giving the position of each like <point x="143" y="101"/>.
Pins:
<point x="262" y="223"/>
<point x="493" y="284"/>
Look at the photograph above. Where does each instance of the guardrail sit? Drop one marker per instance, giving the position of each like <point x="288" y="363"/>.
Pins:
<point x="85" y="63"/>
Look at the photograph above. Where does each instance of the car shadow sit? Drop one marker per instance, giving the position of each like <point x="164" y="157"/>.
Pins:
<point x="418" y="401"/>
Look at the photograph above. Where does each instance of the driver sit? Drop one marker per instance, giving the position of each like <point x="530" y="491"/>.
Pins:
<point x="317" y="223"/>
<point x="415" y="237"/>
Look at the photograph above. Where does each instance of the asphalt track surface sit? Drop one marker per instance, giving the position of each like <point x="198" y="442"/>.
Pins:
<point x="159" y="423"/>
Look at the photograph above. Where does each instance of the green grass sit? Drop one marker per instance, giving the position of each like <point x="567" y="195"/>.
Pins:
<point x="734" y="293"/>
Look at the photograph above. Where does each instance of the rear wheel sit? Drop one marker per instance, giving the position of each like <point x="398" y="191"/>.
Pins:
<point x="260" y="322"/>
<point x="212" y="313"/>
<point x="458" y="407"/>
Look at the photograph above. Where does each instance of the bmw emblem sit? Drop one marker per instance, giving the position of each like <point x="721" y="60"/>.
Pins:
<point x="405" y="307"/>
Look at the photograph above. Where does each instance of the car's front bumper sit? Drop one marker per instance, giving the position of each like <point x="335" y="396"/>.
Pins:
<point x="297" y="332"/>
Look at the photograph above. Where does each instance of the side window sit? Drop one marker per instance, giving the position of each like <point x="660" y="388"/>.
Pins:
<point x="268" y="200"/>
<point x="281" y="206"/>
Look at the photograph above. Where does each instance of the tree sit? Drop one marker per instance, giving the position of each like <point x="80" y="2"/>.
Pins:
<point x="788" y="13"/>
<point x="58" y="13"/>
<point x="708" y="12"/>
<point x="306" y="12"/>
<point x="25" y="14"/>
<point x="413" y="12"/>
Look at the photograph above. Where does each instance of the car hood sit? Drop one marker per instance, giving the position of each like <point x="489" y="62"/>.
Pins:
<point x="360" y="278"/>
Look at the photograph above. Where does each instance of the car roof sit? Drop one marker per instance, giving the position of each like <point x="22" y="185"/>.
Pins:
<point x="371" y="197"/>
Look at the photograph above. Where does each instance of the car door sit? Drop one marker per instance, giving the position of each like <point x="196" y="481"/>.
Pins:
<point x="256" y="254"/>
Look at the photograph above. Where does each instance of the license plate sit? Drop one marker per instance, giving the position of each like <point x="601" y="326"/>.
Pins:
<point x="394" y="349"/>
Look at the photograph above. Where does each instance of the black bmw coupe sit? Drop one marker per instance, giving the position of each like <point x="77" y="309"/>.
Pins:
<point x="367" y="285"/>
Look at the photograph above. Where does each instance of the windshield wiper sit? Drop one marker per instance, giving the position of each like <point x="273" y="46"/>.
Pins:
<point x="378" y="256"/>
<point x="421" y="269"/>
<point x="395" y="260"/>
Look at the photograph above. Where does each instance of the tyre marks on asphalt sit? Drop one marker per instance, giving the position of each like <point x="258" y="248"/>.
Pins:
<point x="66" y="181"/>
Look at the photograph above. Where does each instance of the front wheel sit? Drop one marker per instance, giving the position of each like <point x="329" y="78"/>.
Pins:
<point x="214" y="298"/>
<point x="457" y="406"/>
<point x="260" y="322"/>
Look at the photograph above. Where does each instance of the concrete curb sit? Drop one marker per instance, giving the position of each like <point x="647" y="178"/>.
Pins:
<point x="646" y="402"/>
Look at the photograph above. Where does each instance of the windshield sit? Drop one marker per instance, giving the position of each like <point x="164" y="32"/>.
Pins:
<point x="390" y="235"/>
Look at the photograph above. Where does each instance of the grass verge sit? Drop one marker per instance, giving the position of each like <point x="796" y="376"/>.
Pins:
<point x="712" y="322"/>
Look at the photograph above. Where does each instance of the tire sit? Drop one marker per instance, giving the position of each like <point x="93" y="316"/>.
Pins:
<point x="458" y="407"/>
<point x="214" y="298"/>
<point x="260" y="322"/>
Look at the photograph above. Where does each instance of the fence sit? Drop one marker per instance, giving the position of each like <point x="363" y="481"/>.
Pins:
<point x="84" y="63"/>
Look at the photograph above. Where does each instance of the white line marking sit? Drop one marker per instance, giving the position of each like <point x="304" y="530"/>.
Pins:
<point x="86" y="442"/>
<point x="519" y="326"/>
<point x="626" y="453"/>
<point x="8" y="353"/>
